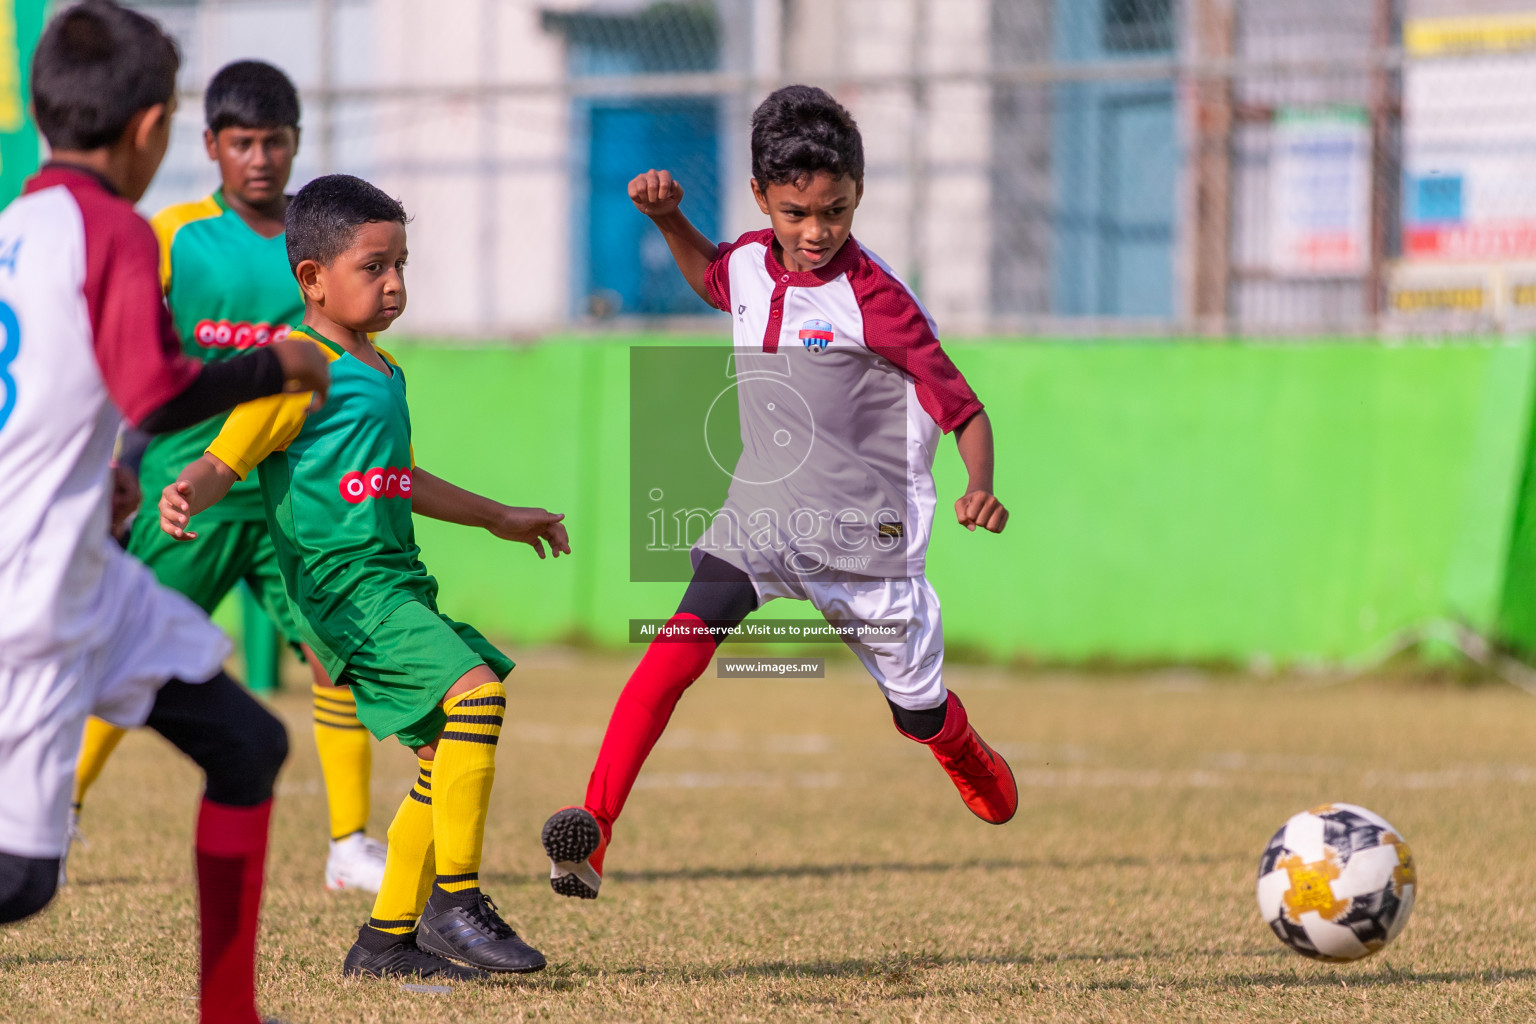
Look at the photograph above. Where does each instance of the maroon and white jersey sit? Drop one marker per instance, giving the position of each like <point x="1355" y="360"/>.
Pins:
<point x="843" y="391"/>
<point x="84" y="333"/>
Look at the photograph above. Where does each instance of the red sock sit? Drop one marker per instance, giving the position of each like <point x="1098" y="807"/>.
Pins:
<point x="231" y="858"/>
<point x="643" y="710"/>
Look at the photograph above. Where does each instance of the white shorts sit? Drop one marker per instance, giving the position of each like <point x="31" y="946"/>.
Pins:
<point x="910" y="670"/>
<point x="158" y="635"/>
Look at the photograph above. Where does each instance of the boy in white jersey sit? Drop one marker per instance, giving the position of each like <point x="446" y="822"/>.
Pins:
<point x="86" y="341"/>
<point x="833" y="498"/>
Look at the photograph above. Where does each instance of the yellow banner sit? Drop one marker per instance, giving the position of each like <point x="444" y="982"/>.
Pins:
<point x="1469" y="298"/>
<point x="12" y="102"/>
<point x="1483" y="33"/>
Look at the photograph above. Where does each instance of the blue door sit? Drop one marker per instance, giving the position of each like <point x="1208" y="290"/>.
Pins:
<point x="620" y="263"/>
<point x="1115" y="159"/>
<point x="628" y="265"/>
<point x="1136" y="243"/>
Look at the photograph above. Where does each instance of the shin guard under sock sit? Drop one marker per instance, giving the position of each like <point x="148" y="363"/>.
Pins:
<point x="231" y="859"/>
<point x="346" y="758"/>
<point x="670" y="666"/>
<point x="408" y="861"/>
<point x="101" y="738"/>
<point x="462" y="775"/>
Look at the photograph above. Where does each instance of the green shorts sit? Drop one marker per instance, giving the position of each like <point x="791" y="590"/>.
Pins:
<point x="400" y="673"/>
<point x="208" y="568"/>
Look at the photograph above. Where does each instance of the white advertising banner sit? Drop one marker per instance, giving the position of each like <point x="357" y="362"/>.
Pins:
<point x="1469" y="160"/>
<point x="1320" y="193"/>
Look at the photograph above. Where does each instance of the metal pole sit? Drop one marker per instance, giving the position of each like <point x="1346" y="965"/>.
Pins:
<point x="917" y="157"/>
<point x="208" y="27"/>
<point x="767" y="43"/>
<point x="1214" y="34"/>
<point x="489" y="146"/>
<point x="325" y="10"/>
<point x="1386" y="102"/>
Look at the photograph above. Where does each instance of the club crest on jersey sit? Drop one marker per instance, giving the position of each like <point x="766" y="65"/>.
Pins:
<point x="816" y="335"/>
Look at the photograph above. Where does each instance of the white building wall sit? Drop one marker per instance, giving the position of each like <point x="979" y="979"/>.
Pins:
<point x="927" y="189"/>
<point x="955" y="233"/>
<point x="285" y="33"/>
<point x="490" y="182"/>
<point x="485" y="181"/>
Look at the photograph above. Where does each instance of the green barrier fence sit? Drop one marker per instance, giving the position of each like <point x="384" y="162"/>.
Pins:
<point x="1170" y="501"/>
<point x="1516" y="620"/>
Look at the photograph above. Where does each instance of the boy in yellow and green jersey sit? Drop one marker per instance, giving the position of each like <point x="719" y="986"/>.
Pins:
<point x="339" y="487"/>
<point x="224" y="271"/>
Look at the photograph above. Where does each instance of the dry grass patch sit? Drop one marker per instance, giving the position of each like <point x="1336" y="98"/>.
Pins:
<point x="787" y="856"/>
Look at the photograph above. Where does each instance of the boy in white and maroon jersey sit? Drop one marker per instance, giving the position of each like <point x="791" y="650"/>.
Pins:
<point x="86" y="341"/>
<point x="843" y="391"/>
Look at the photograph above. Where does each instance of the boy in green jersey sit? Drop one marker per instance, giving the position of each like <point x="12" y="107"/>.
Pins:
<point x="224" y="271"/>
<point x="339" y="487"/>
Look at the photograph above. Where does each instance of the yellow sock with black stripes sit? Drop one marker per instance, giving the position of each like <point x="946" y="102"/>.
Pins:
<point x="465" y="768"/>
<point x="346" y="758"/>
<point x="101" y="738"/>
<point x="408" y="865"/>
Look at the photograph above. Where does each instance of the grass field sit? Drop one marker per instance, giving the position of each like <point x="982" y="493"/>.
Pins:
<point x="787" y="856"/>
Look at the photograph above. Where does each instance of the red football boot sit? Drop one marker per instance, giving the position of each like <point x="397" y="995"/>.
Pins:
<point x="980" y="774"/>
<point x="575" y="842"/>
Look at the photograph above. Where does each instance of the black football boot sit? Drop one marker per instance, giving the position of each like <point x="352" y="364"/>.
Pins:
<point x="473" y="933"/>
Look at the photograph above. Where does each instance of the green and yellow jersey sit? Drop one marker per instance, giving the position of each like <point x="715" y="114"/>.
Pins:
<point x="336" y="491"/>
<point x="229" y="291"/>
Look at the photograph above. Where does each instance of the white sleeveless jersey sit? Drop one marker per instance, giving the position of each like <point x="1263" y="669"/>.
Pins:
<point x="83" y="334"/>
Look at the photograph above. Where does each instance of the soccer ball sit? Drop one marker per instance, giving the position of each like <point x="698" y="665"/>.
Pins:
<point x="1336" y="883"/>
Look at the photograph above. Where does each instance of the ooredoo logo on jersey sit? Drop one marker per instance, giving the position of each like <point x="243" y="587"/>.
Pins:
<point x="238" y="334"/>
<point x="357" y="486"/>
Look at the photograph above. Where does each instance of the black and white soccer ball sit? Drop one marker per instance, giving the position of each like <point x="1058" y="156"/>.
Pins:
<point x="1336" y="883"/>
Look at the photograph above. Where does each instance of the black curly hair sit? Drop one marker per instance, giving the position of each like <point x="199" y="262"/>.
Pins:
<point x="800" y="130"/>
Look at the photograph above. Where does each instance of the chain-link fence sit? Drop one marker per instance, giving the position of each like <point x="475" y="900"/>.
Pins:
<point x="1034" y="166"/>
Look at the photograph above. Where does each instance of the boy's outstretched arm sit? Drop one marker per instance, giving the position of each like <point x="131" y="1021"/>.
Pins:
<point x="436" y="498"/>
<point x="252" y="432"/>
<point x="979" y="507"/>
<point x="200" y="486"/>
<point x="656" y="195"/>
